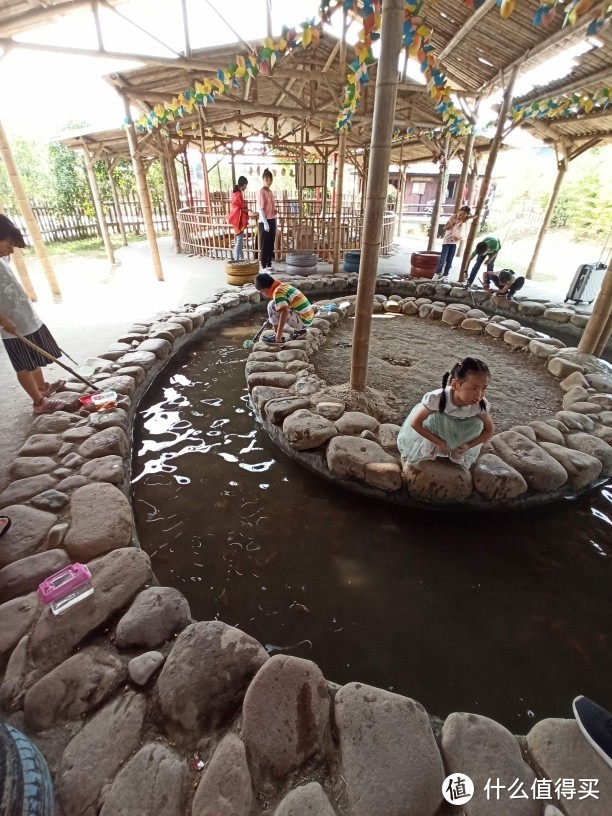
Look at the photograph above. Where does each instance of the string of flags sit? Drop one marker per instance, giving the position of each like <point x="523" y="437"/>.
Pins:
<point x="204" y="92"/>
<point x="562" y="107"/>
<point x="416" y="42"/>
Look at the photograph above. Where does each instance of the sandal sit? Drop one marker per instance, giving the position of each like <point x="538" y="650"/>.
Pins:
<point x="5" y="525"/>
<point x="271" y="338"/>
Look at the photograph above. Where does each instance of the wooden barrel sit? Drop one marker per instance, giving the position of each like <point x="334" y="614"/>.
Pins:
<point x="423" y="264"/>
<point x="238" y="273"/>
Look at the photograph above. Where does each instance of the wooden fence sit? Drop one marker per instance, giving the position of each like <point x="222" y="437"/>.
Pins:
<point x="82" y="224"/>
<point x="205" y="234"/>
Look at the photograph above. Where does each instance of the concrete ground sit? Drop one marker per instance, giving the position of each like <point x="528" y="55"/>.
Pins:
<point x="99" y="303"/>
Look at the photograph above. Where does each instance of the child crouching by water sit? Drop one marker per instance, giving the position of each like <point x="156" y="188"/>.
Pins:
<point x="451" y="421"/>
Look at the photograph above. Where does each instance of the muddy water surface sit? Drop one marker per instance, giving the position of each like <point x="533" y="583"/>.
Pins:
<point x="506" y="615"/>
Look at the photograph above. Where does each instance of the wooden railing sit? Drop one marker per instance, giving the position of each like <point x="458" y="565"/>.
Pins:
<point x="210" y="235"/>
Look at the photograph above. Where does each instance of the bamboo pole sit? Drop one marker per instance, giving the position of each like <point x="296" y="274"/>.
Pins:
<point x="115" y="194"/>
<point x="97" y="201"/>
<point x="402" y="195"/>
<point x="301" y="179"/>
<point x="187" y="175"/>
<point x="143" y="192"/>
<point x="562" y="165"/>
<point x="204" y="164"/>
<point x="170" y="206"/>
<point x="595" y="330"/>
<point x="27" y="213"/>
<point x="604" y="337"/>
<point x="378" y="177"/>
<point x="442" y="186"/>
<point x="399" y="200"/>
<point x="22" y="269"/>
<point x="174" y="185"/>
<point x="341" y="160"/>
<point x="465" y="168"/>
<point x="486" y="180"/>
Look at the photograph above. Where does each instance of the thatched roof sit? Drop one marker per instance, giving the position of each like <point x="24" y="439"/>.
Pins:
<point x="476" y="49"/>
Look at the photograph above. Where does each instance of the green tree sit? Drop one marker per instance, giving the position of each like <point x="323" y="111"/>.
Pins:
<point x="70" y="188"/>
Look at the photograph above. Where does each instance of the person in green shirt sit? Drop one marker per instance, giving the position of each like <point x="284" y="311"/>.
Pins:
<point x="486" y="252"/>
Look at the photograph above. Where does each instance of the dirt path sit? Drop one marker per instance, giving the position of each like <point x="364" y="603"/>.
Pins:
<point x="408" y="357"/>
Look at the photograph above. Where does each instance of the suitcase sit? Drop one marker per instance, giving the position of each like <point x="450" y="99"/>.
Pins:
<point x="587" y="282"/>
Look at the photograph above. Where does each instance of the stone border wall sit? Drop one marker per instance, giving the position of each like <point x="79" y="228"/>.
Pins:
<point x="139" y="710"/>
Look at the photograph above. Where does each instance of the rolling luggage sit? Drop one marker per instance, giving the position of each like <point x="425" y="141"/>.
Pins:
<point x="587" y="282"/>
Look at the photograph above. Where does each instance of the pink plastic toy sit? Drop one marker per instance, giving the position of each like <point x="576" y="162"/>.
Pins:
<point x="66" y="588"/>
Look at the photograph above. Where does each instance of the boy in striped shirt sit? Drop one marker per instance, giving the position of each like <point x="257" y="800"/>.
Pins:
<point x="287" y="307"/>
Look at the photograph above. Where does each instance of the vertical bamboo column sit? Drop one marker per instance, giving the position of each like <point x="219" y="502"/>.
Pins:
<point x="204" y="164"/>
<point x="442" y="185"/>
<point x="28" y="216"/>
<point x="399" y="200"/>
<point x="376" y="197"/>
<point x="143" y="192"/>
<point x="170" y="205"/>
<point x="233" y="166"/>
<point x="301" y="179"/>
<point x="486" y="180"/>
<point x="115" y="194"/>
<point x="174" y="178"/>
<point x="22" y="269"/>
<point x="465" y="168"/>
<point x="594" y="334"/>
<point x="604" y="337"/>
<point x="341" y="159"/>
<point x="97" y="200"/>
<point x="562" y="165"/>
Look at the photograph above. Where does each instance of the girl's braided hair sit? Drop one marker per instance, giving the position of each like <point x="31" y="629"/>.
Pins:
<point x="469" y="365"/>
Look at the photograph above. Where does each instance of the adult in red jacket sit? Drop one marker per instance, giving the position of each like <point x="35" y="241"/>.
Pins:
<point x="239" y="216"/>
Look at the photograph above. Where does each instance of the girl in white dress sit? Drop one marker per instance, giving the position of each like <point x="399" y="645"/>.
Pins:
<point x="452" y="421"/>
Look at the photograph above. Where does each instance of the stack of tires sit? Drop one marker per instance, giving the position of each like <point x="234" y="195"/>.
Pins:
<point x="240" y="272"/>
<point x="302" y="263"/>
<point x="352" y="259"/>
<point x="423" y="264"/>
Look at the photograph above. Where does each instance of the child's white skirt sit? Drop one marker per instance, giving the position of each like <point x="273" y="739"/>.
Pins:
<point x="455" y="431"/>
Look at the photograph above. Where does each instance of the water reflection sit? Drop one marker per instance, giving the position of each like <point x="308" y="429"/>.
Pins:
<point x="506" y="615"/>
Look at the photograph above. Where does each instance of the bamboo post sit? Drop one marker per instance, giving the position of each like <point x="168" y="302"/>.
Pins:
<point x="378" y="177"/>
<point x="486" y="180"/>
<point x="22" y="269"/>
<point x="97" y="201"/>
<point x="442" y="186"/>
<point x="143" y="192"/>
<point x="163" y="161"/>
<point x="187" y="177"/>
<point x="233" y="166"/>
<point x="604" y="337"/>
<point x="301" y="179"/>
<point x="174" y="179"/>
<point x="562" y="165"/>
<point x="204" y="164"/>
<point x="595" y="330"/>
<point x="27" y="213"/>
<point x="115" y="194"/>
<point x="399" y="200"/>
<point x="402" y="195"/>
<point x="341" y="160"/>
<point x="465" y="168"/>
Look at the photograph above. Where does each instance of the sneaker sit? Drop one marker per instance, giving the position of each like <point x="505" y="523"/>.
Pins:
<point x="596" y="726"/>
<point x="52" y="388"/>
<point x="438" y="276"/>
<point x="48" y="406"/>
<point x="296" y="335"/>
<point x="467" y="285"/>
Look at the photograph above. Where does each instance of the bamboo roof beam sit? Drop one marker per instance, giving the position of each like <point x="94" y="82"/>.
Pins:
<point x="568" y="87"/>
<point x="537" y="51"/>
<point x="465" y="29"/>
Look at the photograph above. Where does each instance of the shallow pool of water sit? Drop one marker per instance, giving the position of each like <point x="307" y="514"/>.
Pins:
<point x="506" y="615"/>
